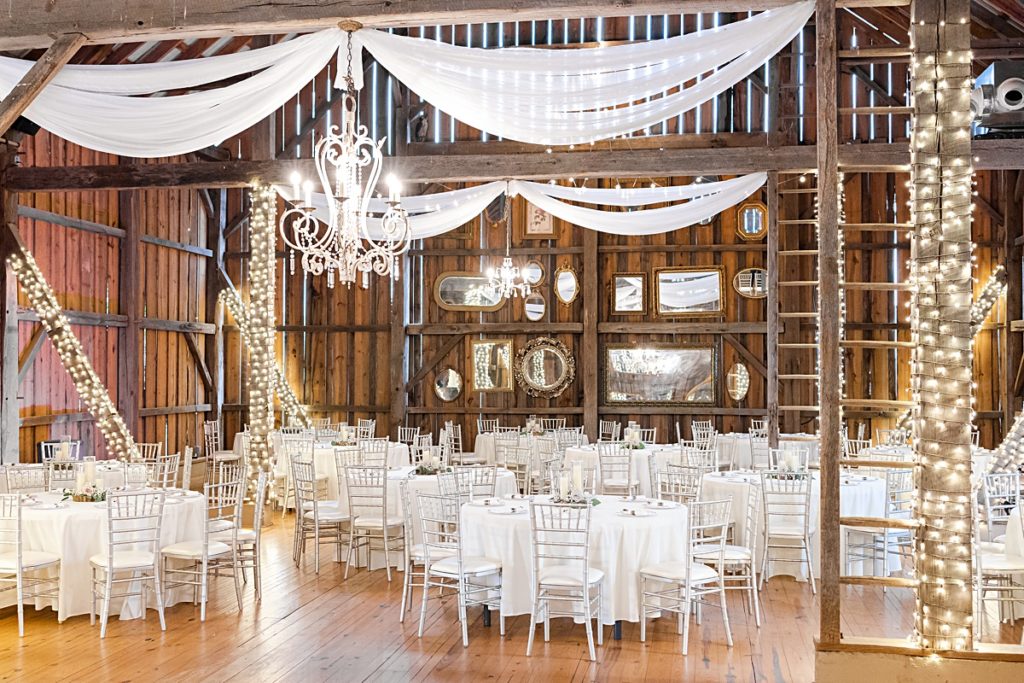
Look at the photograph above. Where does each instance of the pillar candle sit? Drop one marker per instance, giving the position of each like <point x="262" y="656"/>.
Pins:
<point x="563" y="485"/>
<point x="577" y="476"/>
<point x="90" y="471"/>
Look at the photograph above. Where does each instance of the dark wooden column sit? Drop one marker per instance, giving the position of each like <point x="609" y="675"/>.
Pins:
<point x="1013" y="229"/>
<point x="9" y="447"/>
<point x="129" y="379"/>
<point x="214" y="350"/>
<point x="591" y="356"/>
<point x="772" y="337"/>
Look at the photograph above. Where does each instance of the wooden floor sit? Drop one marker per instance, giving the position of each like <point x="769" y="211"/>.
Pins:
<point x="320" y="628"/>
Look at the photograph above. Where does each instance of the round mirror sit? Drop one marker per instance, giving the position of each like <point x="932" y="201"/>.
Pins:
<point x="752" y="221"/>
<point x="567" y="286"/>
<point x="544" y="367"/>
<point x="533" y="273"/>
<point x="737" y="382"/>
<point x="535" y="306"/>
<point x="448" y="384"/>
<point x="751" y="283"/>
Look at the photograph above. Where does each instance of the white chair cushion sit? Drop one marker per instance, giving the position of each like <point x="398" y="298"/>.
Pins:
<point x="193" y="550"/>
<point x="377" y="522"/>
<point x="676" y="572"/>
<point x="417" y="553"/>
<point x="244" y="536"/>
<point x="475" y="566"/>
<point x="30" y="559"/>
<point x="615" y="481"/>
<point x="999" y="563"/>
<point x="1001" y="538"/>
<point x="321" y="504"/>
<point x="568" y="576"/>
<point x="786" y="530"/>
<point x="327" y="514"/>
<point x="992" y="547"/>
<point x="225" y="456"/>
<point x="219" y="525"/>
<point x="125" y="559"/>
<point x="733" y="553"/>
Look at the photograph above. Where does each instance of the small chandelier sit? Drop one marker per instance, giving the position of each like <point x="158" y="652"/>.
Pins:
<point x="506" y="280"/>
<point x="344" y="247"/>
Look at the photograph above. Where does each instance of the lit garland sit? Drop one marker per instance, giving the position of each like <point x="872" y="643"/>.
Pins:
<point x="942" y="382"/>
<point x="1010" y="454"/>
<point x="289" y="401"/>
<point x="72" y="356"/>
<point x="262" y="275"/>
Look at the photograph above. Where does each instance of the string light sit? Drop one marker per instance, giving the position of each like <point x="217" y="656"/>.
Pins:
<point x="290" y="405"/>
<point x="72" y="356"/>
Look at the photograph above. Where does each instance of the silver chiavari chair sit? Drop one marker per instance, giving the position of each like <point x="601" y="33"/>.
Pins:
<point x="163" y="471"/>
<point x="787" y="517"/>
<point x="26" y="479"/>
<point x="248" y="540"/>
<point x="615" y="469"/>
<point x="679" y="483"/>
<point x="374" y="452"/>
<point x="26" y="572"/>
<point x="148" y="452"/>
<point x="371" y="525"/>
<point x="323" y="522"/>
<point x="483" y="479"/>
<point x="484" y="426"/>
<point x="62" y="474"/>
<point x="738" y="565"/>
<point x="550" y="424"/>
<point x="365" y="429"/>
<point x="408" y="435"/>
<point x="608" y="430"/>
<point x="589" y="476"/>
<point x="64" y="449"/>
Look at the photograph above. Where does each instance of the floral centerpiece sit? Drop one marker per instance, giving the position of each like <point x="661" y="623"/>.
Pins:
<point x="533" y="427"/>
<point x="346" y="437"/>
<point x="426" y="468"/>
<point x="87" y="493"/>
<point x="575" y="498"/>
<point x="631" y="439"/>
<point x="570" y="489"/>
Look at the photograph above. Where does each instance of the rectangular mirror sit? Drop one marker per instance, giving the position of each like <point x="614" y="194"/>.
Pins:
<point x="629" y="293"/>
<point x="492" y="365"/>
<point x="661" y="375"/>
<point x="689" y="291"/>
<point x="465" y="291"/>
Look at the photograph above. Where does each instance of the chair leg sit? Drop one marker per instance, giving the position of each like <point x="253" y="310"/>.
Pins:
<point x="764" y="563"/>
<point x="686" y="621"/>
<point x="725" y="611"/>
<point x="92" y="605"/>
<point x="533" y="624"/>
<point x="423" y="602"/>
<point x="237" y="570"/>
<point x="204" y="585"/>
<point x="643" y="609"/>
<point x="387" y="556"/>
<point x="589" y="623"/>
<point x="462" y="613"/>
<point x="810" y="563"/>
<point x="21" y="604"/>
<point x="600" y="607"/>
<point x="348" y="558"/>
<point x="105" y="607"/>
<point x="755" y="596"/>
<point x="158" y="589"/>
<point x="406" y="580"/>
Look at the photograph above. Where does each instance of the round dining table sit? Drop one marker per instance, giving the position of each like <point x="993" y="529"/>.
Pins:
<point x="620" y="545"/>
<point x="859" y="496"/>
<point x="736" y="448"/>
<point x="639" y="461"/>
<point x="484" y="446"/>
<point x="77" y="531"/>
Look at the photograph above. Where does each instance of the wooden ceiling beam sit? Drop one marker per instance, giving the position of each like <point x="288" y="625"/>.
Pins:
<point x="112" y="21"/>
<point x="38" y="76"/>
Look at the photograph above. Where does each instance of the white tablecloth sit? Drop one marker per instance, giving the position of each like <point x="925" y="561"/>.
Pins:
<point x="858" y="498"/>
<point x="735" y="447"/>
<point x="78" y="531"/>
<point x="109" y="473"/>
<point x="663" y="453"/>
<point x="1015" y="534"/>
<point x="619" y="546"/>
<point x="323" y="459"/>
<point x="484" y="446"/>
<point x="979" y="456"/>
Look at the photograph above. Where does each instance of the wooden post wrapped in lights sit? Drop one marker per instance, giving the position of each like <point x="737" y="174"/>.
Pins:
<point x="289" y="401"/>
<point x="72" y="356"/>
<point x="262" y="276"/>
<point x="942" y="382"/>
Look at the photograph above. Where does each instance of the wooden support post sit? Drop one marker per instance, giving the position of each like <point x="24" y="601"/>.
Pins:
<point x="28" y="354"/>
<point x="9" y="446"/>
<point x="830" y="415"/>
<point x="37" y="77"/>
<point x="214" y="343"/>
<point x="591" y="356"/>
<point x="129" y="378"/>
<point x="1013" y="347"/>
<point x="772" y="338"/>
<point x="398" y="362"/>
<point x="941" y="379"/>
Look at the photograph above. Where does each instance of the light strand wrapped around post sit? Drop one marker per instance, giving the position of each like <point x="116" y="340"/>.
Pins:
<point x="262" y="276"/>
<point x="942" y="381"/>
<point x="72" y="356"/>
<point x="290" y="405"/>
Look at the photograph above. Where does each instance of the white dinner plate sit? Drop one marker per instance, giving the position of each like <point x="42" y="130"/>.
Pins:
<point x="488" y="503"/>
<point x="29" y="503"/>
<point x="662" y="504"/>
<point x="633" y="499"/>
<point x="50" y="506"/>
<point x="517" y="496"/>
<point x="509" y="510"/>
<point x="626" y="512"/>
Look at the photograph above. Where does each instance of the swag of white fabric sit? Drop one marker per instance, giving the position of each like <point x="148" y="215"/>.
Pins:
<point x="561" y="97"/>
<point x="435" y="214"/>
<point x="535" y="95"/>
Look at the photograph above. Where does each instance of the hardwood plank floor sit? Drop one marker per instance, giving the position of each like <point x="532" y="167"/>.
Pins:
<point x="321" y="628"/>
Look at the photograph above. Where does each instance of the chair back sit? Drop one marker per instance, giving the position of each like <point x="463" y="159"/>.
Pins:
<point x="853" y="447"/>
<point x="365" y="429"/>
<point x="65" y="449"/>
<point x="212" y="437"/>
<point x="134" y="519"/>
<point x="787" y="500"/>
<point x="10" y="528"/>
<point x="223" y="510"/>
<point x="186" y="469"/>
<point x="788" y="459"/>
<point x="708" y="525"/>
<point x="891" y="437"/>
<point x="163" y="472"/>
<point x="458" y="483"/>
<point x="704" y="457"/>
<point x="569" y="437"/>
<point x="503" y="441"/>
<point x="227" y="472"/>
<point x="483" y="479"/>
<point x="758" y="451"/>
<point x="608" y="430"/>
<point x="26" y="479"/>
<point x="759" y="425"/>
<point x="1001" y="493"/>
<point x="374" y="452"/>
<point x="304" y="485"/>
<point x="439" y="527"/>
<point x="149" y="452"/>
<point x="560" y="536"/>
<point x="587" y="473"/>
<point x="550" y="424"/>
<point x="519" y="459"/>
<point x="62" y="474"/>
<point x="136" y="475"/>
<point x="319" y="423"/>
<point x="614" y="462"/>
<point x="679" y="483"/>
<point x="408" y="435"/>
<point x="367" y="491"/>
<point x="648" y="435"/>
<point x="486" y="426"/>
<point x="419" y="449"/>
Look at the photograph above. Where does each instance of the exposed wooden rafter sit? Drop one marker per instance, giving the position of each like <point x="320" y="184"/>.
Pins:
<point x="38" y="76"/>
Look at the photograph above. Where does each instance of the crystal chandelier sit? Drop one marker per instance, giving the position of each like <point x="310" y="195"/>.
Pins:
<point x="506" y="280"/>
<point x="348" y="163"/>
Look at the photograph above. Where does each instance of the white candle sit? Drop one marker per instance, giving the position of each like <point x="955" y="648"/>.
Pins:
<point x="563" y="486"/>
<point x="99" y="483"/>
<point x="79" y="480"/>
<point x="65" y="450"/>
<point x="307" y="188"/>
<point x="90" y="471"/>
<point x="577" y="476"/>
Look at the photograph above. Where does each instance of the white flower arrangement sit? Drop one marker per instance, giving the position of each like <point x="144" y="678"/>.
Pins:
<point x="631" y="439"/>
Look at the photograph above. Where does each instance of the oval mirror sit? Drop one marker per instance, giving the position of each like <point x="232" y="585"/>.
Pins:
<point x="535" y="306"/>
<point x="567" y="285"/>
<point x="737" y="381"/>
<point x="448" y="384"/>
<point x="752" y="221"/>
<point x="533" y="273"/>
<point x="751" y="283"/>
<point x="544" y="367"/>
<point x="466" y="291"/>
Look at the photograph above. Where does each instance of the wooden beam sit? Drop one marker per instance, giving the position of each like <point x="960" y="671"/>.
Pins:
<point x="772" y="338"/>
<point x="87" y="318"/>
<point x="69" y="222"/>
<point x="495" y="328"/>
<point x="439" y="355"/>
<point x="398" y="345"/>
<point x="681" y="327"/>
<point x="28" y="354"/>
<point x="174" y="410"/>
<point x="9" y="240"/>
<point x="830" y="414"/>
<point x="214" y="343"/>
<point x="745" y="353"/>
<point x="129" y="376"/>
<point x="1013" y="348"/>
<point x="590" y="358"/>
<point x="197" y="356"/>
<point x="38" y="76"/>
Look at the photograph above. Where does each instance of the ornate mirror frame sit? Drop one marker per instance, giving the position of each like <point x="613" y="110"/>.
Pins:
<point x="455" y="307"/>
<point x="736" y="284"/>
<point x="542" y="344"/>
<point x="565" y="268"/>
<point x="507" y="385"/>
<point x="615" y="310"/>
<point x="693" y="313"/>
<point x="752" y="236"/>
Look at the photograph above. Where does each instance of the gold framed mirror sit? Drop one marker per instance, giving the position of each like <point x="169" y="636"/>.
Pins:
<point x="466" y="291"/>
<point x="737" y="382"/>
<point x="533" y="272"/>
<point x="535" y="306"/>
<point x="659" y="374"/>
<point x="629" y="293"/>
<point x="751" y="283"/>
<point x="566" y="284"/>
<point x="689" y="291"/>
<point x="491" y="365"/>
<point x="752" y="221"/>
<point x="544" y="367"/>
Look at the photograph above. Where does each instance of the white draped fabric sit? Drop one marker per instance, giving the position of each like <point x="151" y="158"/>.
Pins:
<point x="535" y="95"/>
<point x="561" y="97"/>
<point x="435" y="214"/>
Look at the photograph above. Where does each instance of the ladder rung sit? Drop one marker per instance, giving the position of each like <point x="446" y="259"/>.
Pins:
<point x="876" y="110"/>
<point x="879" y="464"/>
<point x="798" y="345"/>
<point x="802" y="409"/>
<point x="882" y="227"/>
<point x="873" y="52"/>
<point x="800" y="190"/>
<point x="891" y="581"/>
<point x="799" y="252"/>
<point x="797" y="314"/>
<point x="799" y="221"/>
<point x="876" y="403"/>
<point x="799" y="283"/>
<point x="876" y="344"/>
<point x="878" y="522"/>
<point x="878" y="286"/>
<point x="798" y="377"/>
